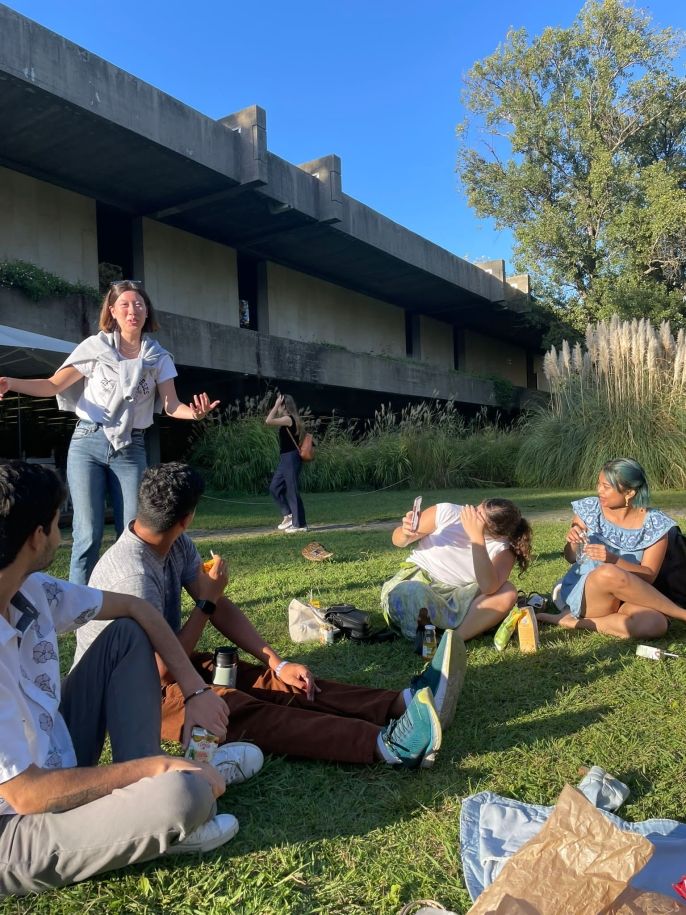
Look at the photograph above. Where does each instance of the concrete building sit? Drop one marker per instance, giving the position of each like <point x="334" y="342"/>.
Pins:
<point x="262" y="271"/>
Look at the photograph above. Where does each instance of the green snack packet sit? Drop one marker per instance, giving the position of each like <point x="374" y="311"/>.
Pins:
<point x="506" y="629"/>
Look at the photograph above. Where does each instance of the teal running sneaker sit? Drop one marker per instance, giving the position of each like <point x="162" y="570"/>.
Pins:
<point x="413" y="739"/>
<point x="444" y="675"/>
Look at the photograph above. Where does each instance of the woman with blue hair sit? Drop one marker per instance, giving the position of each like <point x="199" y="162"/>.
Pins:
<point x="615" y="545"/>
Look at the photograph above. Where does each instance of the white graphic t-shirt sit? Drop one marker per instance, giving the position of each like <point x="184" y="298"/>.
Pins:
<point x="32" y="730"/>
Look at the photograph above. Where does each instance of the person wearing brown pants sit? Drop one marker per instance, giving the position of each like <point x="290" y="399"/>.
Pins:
<point x="277" y="704"/>
<point x="341" y="725"/>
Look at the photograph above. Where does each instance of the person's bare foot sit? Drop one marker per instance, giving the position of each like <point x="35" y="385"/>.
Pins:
<point x="566" y="620"/>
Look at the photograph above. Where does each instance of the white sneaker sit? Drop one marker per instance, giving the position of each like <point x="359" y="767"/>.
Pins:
<point x="287" y="519"/>
<point x="212" y="834"/>
<point x="238" y="761"/>
<point x="295" y="530"/>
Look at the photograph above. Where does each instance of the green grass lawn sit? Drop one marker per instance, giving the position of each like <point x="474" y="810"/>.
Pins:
<point x="224" y="512"/>
<point x="330" y="839"/>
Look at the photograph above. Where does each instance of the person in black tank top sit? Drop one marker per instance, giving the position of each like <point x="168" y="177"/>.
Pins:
<point x="284" y="485"/>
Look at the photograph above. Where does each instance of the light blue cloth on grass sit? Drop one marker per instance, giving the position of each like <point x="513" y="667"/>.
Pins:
<point x="493" y="828"/>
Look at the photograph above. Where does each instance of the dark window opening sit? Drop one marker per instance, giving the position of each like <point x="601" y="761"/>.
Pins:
<point x="458" y="349"/>
<point x="248" y="286"/>
<point x="409" y="334"/>
<point x="531" y="376"/>
<point x="115" y="245"/>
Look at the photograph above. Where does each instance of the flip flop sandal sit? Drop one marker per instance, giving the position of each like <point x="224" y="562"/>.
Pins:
<point x="315" y="552"/>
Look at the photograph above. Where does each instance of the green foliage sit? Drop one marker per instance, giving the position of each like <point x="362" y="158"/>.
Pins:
<point x="36" y="283"/>
<point x="429" y="444"/>
<point x="235" y="448"/>
<point x="582" y="154"/>
<point x="624" y="396"/>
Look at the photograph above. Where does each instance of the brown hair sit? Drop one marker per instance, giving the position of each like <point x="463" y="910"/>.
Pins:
<point x="504" y="519"/>
<point x="290" y="407"/>
<point x="107" y="321"/>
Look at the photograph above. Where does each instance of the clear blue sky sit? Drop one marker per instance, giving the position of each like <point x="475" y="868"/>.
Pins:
<point x="375" y="81"/>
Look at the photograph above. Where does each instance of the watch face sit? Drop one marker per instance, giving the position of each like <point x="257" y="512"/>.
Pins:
<point x="206" y="606"/>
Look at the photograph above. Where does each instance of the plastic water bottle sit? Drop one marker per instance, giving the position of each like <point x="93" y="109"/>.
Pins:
<point x="653" y="653"/>
<point x="581" y="546"/>
<point x="429" y="644"/>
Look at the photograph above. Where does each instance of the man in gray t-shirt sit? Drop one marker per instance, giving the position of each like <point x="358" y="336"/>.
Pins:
<point x="277" y="703"/>
<point x="133" y="566"/>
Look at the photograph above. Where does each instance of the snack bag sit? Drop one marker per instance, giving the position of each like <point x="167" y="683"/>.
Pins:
<point x="506" y="629"/>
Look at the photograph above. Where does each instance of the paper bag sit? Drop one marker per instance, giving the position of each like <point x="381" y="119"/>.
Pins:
<point x="578" y="864"/>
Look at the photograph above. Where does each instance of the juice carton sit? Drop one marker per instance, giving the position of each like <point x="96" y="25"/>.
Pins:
<point x="527" y="632"/>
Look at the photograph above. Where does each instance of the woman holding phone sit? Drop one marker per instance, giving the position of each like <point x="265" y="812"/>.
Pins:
<point x="457" y="575"/>
<point x="284" y="485"/>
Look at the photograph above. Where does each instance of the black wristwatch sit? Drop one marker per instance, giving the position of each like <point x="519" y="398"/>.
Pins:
<point x="207" y="606"/>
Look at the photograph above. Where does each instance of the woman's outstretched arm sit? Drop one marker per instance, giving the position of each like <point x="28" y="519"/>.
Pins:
<point x="41" y="387"/>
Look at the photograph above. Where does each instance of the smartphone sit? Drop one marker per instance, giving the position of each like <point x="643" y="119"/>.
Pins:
<point x="415" y="513"/>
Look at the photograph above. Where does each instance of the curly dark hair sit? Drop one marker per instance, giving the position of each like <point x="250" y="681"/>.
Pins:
<point x="505" y="520"/>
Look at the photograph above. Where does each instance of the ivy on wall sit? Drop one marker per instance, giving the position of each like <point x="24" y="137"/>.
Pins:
<point x="36" y="283"/>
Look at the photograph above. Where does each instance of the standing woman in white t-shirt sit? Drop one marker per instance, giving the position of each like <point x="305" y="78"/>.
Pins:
<point x="457" y="575"/>
<point x="113" y="381"/>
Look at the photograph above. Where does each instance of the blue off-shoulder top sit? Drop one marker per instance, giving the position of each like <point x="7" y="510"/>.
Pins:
<point x="628" y="543"/>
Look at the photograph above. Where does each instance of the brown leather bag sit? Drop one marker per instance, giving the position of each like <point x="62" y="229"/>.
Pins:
<point x="306" y="447"/>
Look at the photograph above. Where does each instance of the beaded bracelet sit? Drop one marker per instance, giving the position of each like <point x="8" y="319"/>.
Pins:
<point x="198" y="692"/>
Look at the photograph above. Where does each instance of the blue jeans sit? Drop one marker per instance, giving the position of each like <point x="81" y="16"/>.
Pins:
<point x="284" y="488"/>
<point x="94" y="469"/>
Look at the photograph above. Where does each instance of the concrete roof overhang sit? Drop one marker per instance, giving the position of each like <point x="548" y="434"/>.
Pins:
<point x="74" y="120"/>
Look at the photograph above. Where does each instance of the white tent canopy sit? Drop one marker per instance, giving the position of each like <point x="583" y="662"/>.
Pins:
<point x="24" y="353"/>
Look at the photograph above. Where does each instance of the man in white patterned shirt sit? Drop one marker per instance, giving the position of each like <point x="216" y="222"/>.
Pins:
<point x="59" y="819"/>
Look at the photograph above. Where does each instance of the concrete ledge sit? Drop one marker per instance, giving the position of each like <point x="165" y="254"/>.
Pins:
<point x="44" y="60"/>
<point x="232" y="349"/>
<point x="204" y="344"/>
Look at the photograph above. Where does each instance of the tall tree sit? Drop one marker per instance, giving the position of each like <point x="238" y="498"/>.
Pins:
<point x="576" y="141"/>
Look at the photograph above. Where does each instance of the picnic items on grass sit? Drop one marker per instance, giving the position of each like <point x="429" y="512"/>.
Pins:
<point x="305" y="621"/>
<point x="579" y="862"/>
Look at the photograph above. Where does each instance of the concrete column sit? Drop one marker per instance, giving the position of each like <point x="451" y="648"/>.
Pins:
<point x="459" y="350"/>
<point x="327" y="170"/>
<point x="137" y="249"/>
<point x="495" y="268"/>
<point x="250" y="125"/>
<point x="413" y="335"/>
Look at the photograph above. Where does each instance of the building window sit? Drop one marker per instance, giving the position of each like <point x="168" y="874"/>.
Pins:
<point x="458" y="349"/>
<point x="115" y="245"/>
<point x="248" y="291"/>
<point x="412" y="340"/>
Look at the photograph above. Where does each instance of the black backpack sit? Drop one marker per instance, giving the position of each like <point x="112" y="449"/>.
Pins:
<point x="671" y="579"/>
<point x="353" y="623"/>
